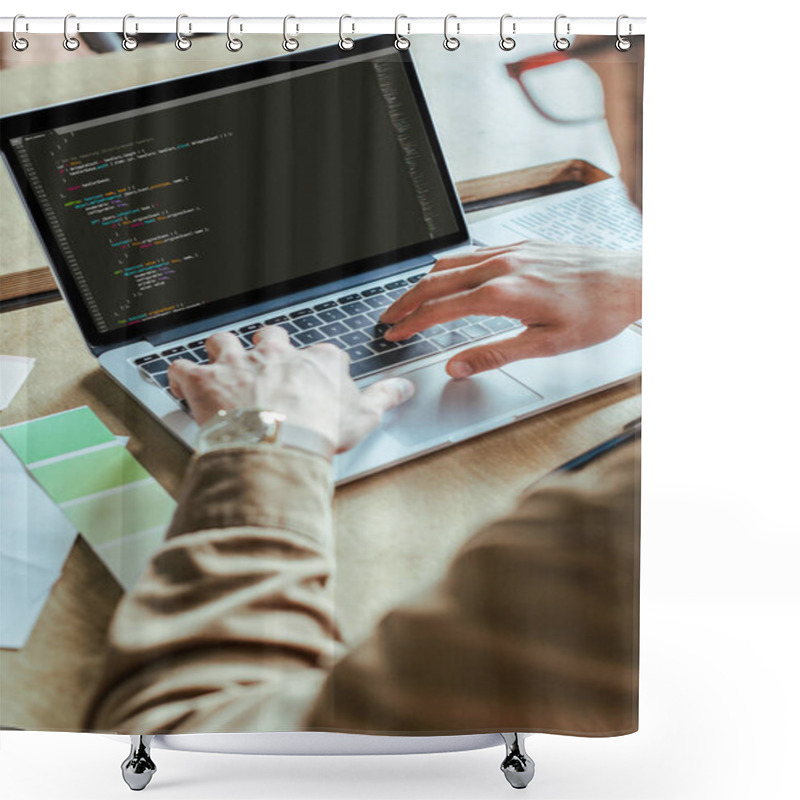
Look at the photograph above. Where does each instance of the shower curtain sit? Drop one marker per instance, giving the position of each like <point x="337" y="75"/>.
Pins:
<point x="492" y="585"/>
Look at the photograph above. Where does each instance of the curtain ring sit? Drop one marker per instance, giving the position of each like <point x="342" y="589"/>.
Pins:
<point x="560" y="43"/>
<point x="181" y="42"/>
<point x="345" y="42"/>
<point x="506" y="42"/>
<point x="622" y="44"/>
<point x="401" y="42"/>
<point x="233" y="44"/>
<point x="18" y="43"/>
<point x="128" y="42"/>
<point x="451" y="42"/>
<point x="70" y="42"/>
<point x="289" y="44"/>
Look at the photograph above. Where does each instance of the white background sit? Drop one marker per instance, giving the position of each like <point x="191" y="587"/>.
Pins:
<point x="719" y="672"/>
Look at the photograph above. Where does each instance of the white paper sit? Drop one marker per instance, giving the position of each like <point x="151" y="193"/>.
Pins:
<point x="24" y="589"/>
<point x="13" y="372"/>
<point x="35" y="540"/>
<point x="598" y="215"/>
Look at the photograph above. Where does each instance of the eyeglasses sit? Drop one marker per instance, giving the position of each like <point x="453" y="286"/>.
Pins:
<point x="561" y="88"/>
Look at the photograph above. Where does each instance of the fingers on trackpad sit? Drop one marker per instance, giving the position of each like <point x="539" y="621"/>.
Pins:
<point x="442" y="406"/>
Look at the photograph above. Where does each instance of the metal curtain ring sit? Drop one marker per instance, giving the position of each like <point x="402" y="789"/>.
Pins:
<point x="233" y="44"/>
<point x="70" y="42"/>
<point x="451" y="42"/>
<point x="506" y="42"/>
<point x="289" y="44"/>
<point x="128" y="42"/>
<point x="181" y="42"/>
<point x="18" y="43"/>
<point x="401" y="42"/>
<point x="345" y="42"/>
<point x="622" y="44"/>
<point x="560" y="42"/>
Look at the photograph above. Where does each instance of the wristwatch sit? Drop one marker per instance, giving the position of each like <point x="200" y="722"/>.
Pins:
<point x="257" y="426"/>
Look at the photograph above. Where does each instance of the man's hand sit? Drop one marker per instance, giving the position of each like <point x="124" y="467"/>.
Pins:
<point x="312" y="387"/>
<point x="568" y="297"/>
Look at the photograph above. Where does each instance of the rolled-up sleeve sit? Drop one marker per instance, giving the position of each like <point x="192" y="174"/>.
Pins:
<point x="231" y="627"/>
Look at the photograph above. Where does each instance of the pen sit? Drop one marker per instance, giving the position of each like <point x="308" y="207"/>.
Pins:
<point x="631" y="431"/>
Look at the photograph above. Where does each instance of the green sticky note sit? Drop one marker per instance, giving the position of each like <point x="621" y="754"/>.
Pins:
<point x="89" y="473"/>
<point x="128" y="557"/>
<point x="56" y="435"/>
<point x="134" y="509"/>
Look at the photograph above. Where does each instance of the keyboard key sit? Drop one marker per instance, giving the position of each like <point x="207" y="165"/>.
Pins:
<point x="379" y="301"/>
<point x="161" y="379"/>
<point x="358" y="321"/>
<point x="151" y="367"/>
<point x="391" y="358"/>
<point x="247" y="340"/>
<point x="278" y="320"/>
<point x="300" y="313"/>
<point x="198" y="343"/>
<point x="451" y="339"/>
<point x="289" y="327"/>
<point x="202" y="354"/>
<point x="306" y="323"/>
<point x="393" y="295"/>
<point x="436" y="330"/>
<point x="249" y="328"/>
<point x="382" y="345"/>
<point x="340" y="344"/>
<point x="309" y="336"/>
<point x="454" y="324"/>
<point x="498" y="324"/>
<point x="396" y="284"/>
<point x="323" y="306"/>
<point x="475" y="331"/>
<point x="173" y="350"/>
<point x="349" y="298"/>
<point x="381" y="328"/>
<point x="416" y="278"/>
<point x="354" y="337"/>
<point x="331" y="315"/>
<point x="358" y="352"/>
<point x="187" y="356"/>
<point x="146" y="359"/>
<point x="373" y="291"/>
<point x="334" y="329"/>
<point x="355" y="308"/>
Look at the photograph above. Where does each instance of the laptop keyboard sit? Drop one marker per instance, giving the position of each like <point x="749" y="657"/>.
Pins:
<point x="350" y="322"/>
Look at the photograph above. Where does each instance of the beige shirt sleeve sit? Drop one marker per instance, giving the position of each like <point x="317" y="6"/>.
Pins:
<point x="232" y="627"/>
<point x="534" y="628"/>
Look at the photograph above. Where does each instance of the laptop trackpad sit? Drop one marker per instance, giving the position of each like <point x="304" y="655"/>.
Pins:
<point x="441" y="406"/>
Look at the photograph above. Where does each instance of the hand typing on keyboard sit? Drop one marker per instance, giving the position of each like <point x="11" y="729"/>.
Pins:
<point x="311" y="386"/>
<point x="568" y="297"/>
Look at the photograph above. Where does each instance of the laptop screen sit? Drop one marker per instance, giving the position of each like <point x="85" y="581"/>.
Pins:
<point x="171" y="202"/>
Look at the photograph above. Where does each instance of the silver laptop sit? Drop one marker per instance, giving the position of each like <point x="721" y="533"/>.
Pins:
<point x="307" y="191"/>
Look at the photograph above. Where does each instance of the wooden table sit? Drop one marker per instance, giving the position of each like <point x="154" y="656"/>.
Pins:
<point x="395" y="531"/>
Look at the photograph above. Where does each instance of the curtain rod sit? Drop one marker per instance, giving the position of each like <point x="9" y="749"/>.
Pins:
<point x="406" y="25"/>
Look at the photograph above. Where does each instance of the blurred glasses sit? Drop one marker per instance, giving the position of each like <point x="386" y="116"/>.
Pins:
<point x="561" y="88"/>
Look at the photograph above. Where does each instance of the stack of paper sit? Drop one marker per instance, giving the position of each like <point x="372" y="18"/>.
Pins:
<point x="102" y="489"/>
